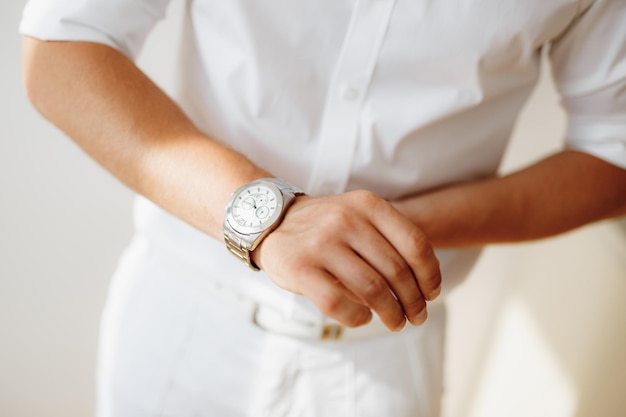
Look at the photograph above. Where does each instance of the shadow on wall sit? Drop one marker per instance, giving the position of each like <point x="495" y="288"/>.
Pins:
<point x="539" y="329"/>
<point x="558" y="343"/>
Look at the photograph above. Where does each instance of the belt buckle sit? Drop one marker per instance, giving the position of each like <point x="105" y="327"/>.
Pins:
<point x="331" y="332"/>
<point x="273" y="321"/>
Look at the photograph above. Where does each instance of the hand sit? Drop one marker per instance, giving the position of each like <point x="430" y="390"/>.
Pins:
<point x="352" y="254"/>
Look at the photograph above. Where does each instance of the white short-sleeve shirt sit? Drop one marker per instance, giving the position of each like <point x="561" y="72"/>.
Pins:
<point x="394" y="96"/>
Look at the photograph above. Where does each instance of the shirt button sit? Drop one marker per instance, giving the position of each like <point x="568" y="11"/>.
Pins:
<point x="347" y="92"/>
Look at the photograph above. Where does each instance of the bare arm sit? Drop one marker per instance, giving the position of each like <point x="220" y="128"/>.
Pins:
<point x="128" y="125"/>
<point x="564" y="191"/>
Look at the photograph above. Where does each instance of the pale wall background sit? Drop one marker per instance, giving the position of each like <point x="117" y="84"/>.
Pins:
<point x="538" y="330"/>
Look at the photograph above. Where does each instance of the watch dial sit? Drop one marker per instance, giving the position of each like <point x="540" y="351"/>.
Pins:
<point x="254" y="206"/>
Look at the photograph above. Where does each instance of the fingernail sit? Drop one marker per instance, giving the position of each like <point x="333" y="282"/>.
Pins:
<point x="367" y="318"/>
<point x="434" y="294"/>
<point x="420" y="317"/>
<point x="400" y="326"/>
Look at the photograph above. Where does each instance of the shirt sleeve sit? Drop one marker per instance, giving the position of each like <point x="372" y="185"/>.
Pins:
<point x="121" y="24"/>
<point x="589" y="68"/>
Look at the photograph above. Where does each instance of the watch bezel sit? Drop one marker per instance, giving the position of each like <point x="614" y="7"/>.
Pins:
<point x="255" y="229"/>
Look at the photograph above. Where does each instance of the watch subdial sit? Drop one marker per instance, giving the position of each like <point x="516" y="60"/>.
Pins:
<point x="262" y="212"/>
<point x="260" y="199"/>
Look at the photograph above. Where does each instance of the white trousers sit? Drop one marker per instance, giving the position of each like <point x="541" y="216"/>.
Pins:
<point x="167" y="349"/>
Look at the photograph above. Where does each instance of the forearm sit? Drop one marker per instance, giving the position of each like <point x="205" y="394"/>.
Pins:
<point x="128" y="125"/>
<point x="557" y="194"/>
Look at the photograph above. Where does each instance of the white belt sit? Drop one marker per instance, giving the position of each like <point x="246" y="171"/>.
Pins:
<point x="267" y="317"/>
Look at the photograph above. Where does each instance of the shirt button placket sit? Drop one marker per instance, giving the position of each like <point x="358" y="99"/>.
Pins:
<point x="351" y="78"/>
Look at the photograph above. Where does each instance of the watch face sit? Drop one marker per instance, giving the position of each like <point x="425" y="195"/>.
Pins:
<point x="255" y="208"/>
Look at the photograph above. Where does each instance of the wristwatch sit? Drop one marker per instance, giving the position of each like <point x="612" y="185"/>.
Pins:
<point x="254" y="210"/>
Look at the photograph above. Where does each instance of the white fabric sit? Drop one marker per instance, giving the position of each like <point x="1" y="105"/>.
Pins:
<point x="394" y="96"/>
<point x="169" y="351"/>
<point x="265" y="315"/>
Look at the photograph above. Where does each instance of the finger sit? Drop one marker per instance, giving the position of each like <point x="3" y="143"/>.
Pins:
<point x="384" y="258"/>
<point x="348" y="293"/>
<point x="365" y="282"/>
<point x="412" y="244"/>
<point x="335" y="301"/>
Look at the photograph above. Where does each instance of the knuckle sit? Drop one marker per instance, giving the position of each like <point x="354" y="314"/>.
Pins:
<point x="365" y="198"/>
<point x="330" y="304"/>
<point x="357" y="319"/>
<point x="338" y="217"/>
<point x="299" y="264"/>
<point x="373" y="289"/>
<point x="370" y="197"/>
<point x="315" y="243"/>
<point x="419" y="246"/>
<point x="399" y="270"/>
<point x="364" y="195"/>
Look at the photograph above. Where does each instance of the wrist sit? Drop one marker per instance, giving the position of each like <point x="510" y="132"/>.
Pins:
<point x="257" y="254"/>
<point x="253" y="212"/>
